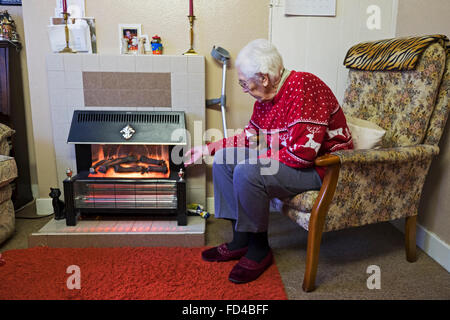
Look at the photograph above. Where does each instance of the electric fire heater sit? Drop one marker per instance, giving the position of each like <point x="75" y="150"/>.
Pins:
<point x="125" y="165"/>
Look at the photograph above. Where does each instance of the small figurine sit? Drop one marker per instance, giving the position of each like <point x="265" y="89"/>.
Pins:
<point x="156" y="45"/>
<point x="141" y="45"/>
<point x="8" y="27"/>
<point x="58" y="205"/>
<point x="124" y="46"/>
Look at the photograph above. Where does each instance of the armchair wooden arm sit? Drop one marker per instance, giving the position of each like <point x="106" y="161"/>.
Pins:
<point x="318" y="215"/>
<point x="327" y="160"/>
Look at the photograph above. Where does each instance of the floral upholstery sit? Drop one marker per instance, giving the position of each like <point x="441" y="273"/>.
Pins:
<point x="386" y="184"/>
<point x="441" y="109"/>
<point x="8" y="172"/>
<point x="5" y="133"/>
<point x="401" y="102"/>
<point x="7" y="218"/>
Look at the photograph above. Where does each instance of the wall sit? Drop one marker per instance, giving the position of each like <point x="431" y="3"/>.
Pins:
<point x="417" y="17"/>
<point x="230" y="24"/>
<point x="319" y="44"/>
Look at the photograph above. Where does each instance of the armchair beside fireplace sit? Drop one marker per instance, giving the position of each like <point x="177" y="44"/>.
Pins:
<point x="8" y="172"/>
<point x="410" y="101"/>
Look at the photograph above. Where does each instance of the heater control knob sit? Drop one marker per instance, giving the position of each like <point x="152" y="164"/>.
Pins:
<point x="181" y="174"/>
<point x="69" y="173"/>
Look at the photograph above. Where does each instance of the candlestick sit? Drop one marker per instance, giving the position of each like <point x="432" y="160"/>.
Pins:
<point x="191" y="50"/>
<point x="67" y="49"/>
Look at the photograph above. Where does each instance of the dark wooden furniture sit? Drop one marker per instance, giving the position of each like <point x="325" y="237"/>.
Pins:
<point x="12" y="114"/>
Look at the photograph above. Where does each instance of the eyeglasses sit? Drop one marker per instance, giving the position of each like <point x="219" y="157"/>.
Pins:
<point x="244" y="84"/>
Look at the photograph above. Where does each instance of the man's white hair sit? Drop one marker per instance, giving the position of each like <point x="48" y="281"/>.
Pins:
<point x="260" y="56"/>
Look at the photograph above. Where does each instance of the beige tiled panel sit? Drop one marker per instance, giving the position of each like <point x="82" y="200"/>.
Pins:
<point x="127" y="89"/>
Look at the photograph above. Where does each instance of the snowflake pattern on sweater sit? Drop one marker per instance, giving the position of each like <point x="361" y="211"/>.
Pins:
<point x="304" y="120"/>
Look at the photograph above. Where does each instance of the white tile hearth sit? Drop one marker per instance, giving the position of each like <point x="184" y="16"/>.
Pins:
<point x="91" y="63"/>
<point x="144" y="64"/>
<point x="120" y="233"/>
<point x="55" y="62"/>
<point x="72" y="62"/>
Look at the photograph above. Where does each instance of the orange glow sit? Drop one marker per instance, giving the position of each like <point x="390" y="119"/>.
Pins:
<point x="102" y="152"/>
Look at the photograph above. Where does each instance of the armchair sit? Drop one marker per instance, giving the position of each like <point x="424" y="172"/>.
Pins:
<point x="410" y="100"/>
<point x="8" y="172"/>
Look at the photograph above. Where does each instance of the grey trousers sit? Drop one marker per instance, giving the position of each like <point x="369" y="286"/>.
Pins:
<point x="244" y="185"/>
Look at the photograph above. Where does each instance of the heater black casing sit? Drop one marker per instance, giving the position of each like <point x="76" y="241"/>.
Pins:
<point x="103" y="127"/>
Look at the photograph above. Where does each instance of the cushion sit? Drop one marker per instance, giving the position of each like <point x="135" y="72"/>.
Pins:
<point x="303" y="202"/>
<point x="5" y="133"/>
<point x="390" y="54"/>
<point x="365" y="134"/>
<point x="7" y="221"/>
<point x="5" y="193"/>
<point x="8" y="170"/>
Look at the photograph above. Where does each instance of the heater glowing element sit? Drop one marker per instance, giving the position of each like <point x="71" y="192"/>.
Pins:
<point x="130" y="161"/>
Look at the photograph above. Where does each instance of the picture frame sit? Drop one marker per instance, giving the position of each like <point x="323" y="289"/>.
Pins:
<point x="10" y="2"/>
<point x="129" y="35"/>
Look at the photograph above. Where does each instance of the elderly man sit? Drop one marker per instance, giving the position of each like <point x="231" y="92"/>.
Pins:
<point x="300" y="119"/>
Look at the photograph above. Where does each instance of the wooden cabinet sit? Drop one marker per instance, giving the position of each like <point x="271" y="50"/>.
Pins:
<point x="12" y="113"/>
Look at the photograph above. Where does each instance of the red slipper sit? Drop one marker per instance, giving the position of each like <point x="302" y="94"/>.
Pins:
<point x="247" y="270"/>
<point x="222" y="253"/>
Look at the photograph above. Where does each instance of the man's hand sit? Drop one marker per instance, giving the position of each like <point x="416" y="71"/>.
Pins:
<point x="195" y="155"/>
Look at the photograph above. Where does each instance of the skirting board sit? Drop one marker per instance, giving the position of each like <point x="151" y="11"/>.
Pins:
<point x="430" y="243"/>
<point x="44" y="206"/>
<point x="210" y="204"/>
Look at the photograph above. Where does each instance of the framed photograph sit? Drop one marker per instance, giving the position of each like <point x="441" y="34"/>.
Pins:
<point x="129" y="35"/>
<point x="10" y="2"/>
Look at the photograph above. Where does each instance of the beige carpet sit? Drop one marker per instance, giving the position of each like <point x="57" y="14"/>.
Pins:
<point x="344" y="258"/>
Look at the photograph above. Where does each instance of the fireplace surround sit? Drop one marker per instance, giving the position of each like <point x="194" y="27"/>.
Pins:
<point x="109" y="82"/>
<point x="126" y="166"/>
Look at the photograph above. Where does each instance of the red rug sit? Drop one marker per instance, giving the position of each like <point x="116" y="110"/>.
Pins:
<point x="128" y="273"/>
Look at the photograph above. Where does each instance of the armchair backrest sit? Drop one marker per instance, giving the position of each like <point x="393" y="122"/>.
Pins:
<point x="441" y="109"/>
<point x="404" y="103"/>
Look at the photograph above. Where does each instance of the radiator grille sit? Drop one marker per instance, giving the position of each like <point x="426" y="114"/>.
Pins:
<point x="127" y="117"/>
<point x="148" y="127"/>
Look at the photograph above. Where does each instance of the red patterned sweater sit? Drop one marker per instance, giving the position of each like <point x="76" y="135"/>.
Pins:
<point x="306" y="118"/>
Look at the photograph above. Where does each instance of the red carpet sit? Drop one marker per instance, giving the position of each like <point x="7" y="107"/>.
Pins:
<point x="128" y="273"/>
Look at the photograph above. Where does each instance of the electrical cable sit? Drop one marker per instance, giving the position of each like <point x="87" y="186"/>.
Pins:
<point x="30" y="217"/>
